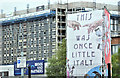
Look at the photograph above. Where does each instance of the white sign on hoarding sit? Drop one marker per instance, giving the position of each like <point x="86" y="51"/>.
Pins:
<point x="21" y="62"/>
<point x="84" y="43"/>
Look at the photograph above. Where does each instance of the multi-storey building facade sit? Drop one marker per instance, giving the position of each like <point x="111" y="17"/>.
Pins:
<point x="38" y="37"/>
<point x="115" y="33"/>
<point x="34" y="36"/>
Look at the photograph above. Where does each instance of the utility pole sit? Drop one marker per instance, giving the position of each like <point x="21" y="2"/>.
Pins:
<point x="27" y="8"/>
<point x="14" y="10"/>
<point x="109" y="71"/>
<point x="48" y="4"/>
<point x="1" y="13"/>
<point x="22" y="69"/>
<point x="67" y="5"/>
<point x="94" y="4"/>
<point x="29" y="72"/>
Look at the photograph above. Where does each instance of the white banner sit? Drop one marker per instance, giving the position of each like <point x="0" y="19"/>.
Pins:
<point x="84" y="43"/>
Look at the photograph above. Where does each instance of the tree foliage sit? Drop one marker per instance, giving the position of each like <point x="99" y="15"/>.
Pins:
<point x="116" y="65"/>
<point x="57" y="64"/>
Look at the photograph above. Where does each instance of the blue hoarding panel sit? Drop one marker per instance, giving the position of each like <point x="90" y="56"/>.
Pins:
<point x="37" y="67"/>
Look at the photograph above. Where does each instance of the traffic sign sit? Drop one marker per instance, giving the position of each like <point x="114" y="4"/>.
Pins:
<point x="21" y="62"/>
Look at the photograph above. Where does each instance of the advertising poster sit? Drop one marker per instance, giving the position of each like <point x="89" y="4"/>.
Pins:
<point x="84" y="44"/>
<point x="107" y="40"/>
<point x="37" y="67"/>
<point x="107" y="48"/>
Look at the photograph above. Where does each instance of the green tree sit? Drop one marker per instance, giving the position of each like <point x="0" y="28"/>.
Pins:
<point x="116" y="65"/>
<point x="57" y="64"/>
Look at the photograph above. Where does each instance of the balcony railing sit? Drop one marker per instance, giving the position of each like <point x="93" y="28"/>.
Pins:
<point x="115" y="33"/>
<point x="61" y="13"/>
<point x="61" y="35"/>
<point x="61" y="27"/>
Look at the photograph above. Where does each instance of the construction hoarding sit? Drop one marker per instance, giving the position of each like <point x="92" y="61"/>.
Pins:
<point x="37" y="67"/>
<point x="84" y="43"/>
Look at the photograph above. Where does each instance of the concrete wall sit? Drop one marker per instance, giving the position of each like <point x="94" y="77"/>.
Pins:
<point x="90" y="5"/>
<point x="9" y="68"/>
<point x="71" y="5"/>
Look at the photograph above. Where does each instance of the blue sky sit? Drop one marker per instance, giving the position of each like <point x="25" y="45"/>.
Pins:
<point x="8" y="5"/>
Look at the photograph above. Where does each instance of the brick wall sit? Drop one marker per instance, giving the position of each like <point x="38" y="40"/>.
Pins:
<point x="115" y="40"/>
